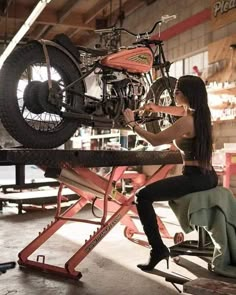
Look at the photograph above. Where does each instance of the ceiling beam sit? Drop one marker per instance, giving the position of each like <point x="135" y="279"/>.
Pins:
<point x="39" y="7"/>
<point x="91" y="15"/>
<point x="67" y="9"/>
<point x="131" y="6"/>
<point x="4" y="5"/>
<point x="93" y="12"/>
<point x="128" y="7"/>
<point x="9" y="3"/>
<point x="39" y="30"/>
<point x="48" y="17"/>
<point x="43" y="30"/>
<point x="76" y="31"/>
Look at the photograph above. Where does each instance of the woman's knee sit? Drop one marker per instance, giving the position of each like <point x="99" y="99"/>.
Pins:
<point x="141" y="198"/>
<point x="140" y="195"/>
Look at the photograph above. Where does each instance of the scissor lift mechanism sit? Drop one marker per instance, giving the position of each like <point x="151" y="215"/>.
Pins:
<point x="73" y="170"/>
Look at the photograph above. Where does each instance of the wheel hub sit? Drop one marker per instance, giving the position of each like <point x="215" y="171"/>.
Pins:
<point x="36" y="97"/>
<point x="31" y="97"/>
<point x="44" y="97"/>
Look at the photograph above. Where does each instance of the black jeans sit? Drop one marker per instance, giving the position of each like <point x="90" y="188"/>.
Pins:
<point x="192" y="180"/>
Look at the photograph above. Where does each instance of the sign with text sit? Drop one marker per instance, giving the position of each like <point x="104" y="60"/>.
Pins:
<point x="223" y="12"/>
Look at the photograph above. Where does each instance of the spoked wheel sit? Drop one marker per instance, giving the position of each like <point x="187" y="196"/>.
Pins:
<point x="25" y="110"/>
<point x="160" y="95"/>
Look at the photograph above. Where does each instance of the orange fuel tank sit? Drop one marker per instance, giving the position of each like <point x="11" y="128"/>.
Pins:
<point x="136" y="60"/>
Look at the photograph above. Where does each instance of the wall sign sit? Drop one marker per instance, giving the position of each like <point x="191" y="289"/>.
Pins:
<point x="223" y="6"/>
<point x="223" y="12"/>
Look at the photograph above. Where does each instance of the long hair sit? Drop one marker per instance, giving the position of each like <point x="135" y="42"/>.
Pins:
<point x="194" y="89"/>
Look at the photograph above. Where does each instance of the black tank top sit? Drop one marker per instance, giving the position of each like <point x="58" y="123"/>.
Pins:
<point x="186" y="148"/>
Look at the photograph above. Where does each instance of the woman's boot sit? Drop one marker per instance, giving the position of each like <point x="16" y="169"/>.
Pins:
<point x="155" y="257"/>
<point x="148" y="219"/>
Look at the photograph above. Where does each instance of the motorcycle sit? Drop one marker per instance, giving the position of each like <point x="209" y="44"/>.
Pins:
<point x="44" y="96"/>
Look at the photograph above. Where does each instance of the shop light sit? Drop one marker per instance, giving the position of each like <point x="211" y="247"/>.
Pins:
<point x="24" y="29"/>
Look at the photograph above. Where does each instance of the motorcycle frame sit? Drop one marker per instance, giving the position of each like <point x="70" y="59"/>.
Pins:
<point x="163" y="65"/>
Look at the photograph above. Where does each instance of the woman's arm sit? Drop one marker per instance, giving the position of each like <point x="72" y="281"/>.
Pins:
<point x="184" y="125"/>
<point x="171" y="110"/>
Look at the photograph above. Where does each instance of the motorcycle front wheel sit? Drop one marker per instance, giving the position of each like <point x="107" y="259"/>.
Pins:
<point x="24" y="108"/>
<point x="159" y="94"/>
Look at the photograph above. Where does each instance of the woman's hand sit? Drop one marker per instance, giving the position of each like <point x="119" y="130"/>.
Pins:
<point x="129" y="116"/>
<point x="151" y="107"/>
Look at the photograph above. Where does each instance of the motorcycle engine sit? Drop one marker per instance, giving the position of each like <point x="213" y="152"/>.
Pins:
<point x="120" y="91"/>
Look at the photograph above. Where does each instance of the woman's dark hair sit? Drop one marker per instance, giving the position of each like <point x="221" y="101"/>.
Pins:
<point x="194" y="89"/>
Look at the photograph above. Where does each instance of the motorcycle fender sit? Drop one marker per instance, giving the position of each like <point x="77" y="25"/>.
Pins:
<point x="66" y="52"/>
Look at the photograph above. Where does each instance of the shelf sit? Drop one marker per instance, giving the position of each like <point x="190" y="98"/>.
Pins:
<point x="221" y="91"/>
<point x="223" y="121"/>
<point x="100" y="136"/>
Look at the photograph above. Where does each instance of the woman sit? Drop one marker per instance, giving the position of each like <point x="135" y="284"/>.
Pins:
<point x="193" y="137"/>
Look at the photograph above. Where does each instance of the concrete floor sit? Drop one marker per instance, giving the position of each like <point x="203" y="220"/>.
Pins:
<point x="109" y="269"/>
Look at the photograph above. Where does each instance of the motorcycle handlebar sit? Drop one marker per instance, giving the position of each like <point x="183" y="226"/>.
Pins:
<point x="107" y="30"/>
<point x="164" y="19"/>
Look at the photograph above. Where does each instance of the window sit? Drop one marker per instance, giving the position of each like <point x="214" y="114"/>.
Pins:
<point x="176" y="69"/>
<point x="195" y="64"/>
<point x="192" y="65"/>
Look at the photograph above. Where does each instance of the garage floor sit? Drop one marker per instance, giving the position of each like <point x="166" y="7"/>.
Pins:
<point x="109" y="269"/>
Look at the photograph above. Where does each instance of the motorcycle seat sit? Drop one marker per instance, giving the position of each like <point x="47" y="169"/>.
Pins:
<point x="92" y="51"/>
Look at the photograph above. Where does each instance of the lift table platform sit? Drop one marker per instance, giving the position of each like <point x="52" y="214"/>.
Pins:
<point x="72" y="168"/>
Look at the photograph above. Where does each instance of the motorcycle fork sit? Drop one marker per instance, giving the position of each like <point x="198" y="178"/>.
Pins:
<point x="163" y="65"/>
<point x="165" y="71"/>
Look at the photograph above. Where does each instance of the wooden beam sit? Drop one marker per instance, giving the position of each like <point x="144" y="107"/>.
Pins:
<point x="67" y="9"/>
<point x="62" y="15"/>
<point x="6" y="5"/>
<point x="76" y="31"/>
<point x="129" y="7"/>
<point x="39" y="31"/>
<point x="92" y="13"/>
<point x="48" y="17"/>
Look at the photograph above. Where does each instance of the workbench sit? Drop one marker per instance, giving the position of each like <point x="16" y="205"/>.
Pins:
<point x="74" y="169"/>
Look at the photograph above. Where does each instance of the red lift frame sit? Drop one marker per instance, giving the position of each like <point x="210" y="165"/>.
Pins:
<point x="114" y="205"/>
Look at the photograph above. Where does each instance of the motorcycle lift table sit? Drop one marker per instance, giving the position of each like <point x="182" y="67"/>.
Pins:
<point x="74" y="169"/>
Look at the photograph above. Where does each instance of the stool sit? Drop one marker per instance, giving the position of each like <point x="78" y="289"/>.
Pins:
<point x="203" y="247"/>
<point x="199" y="205"/>
<point x="210" y="211"/>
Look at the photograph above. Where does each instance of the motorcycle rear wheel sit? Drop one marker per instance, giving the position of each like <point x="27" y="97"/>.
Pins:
<point x="29" y="120"/>
<point x="159" y="94"/>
